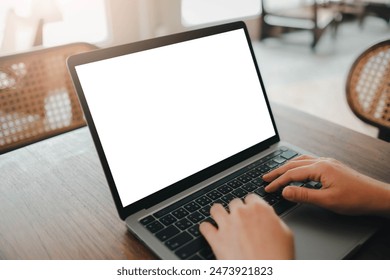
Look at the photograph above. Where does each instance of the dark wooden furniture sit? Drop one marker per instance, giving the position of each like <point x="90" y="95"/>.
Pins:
<point x="368" y="88"/>
<point x="377" y="8"/>
<point x="37" y="98"/>
<point x="360" y="9"/>
<point x="307" y="15"/>
<point x="55" y="202"/>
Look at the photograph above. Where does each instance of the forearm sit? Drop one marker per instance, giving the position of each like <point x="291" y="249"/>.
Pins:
<point x="359" y="194"/>
<point x="363" y="194"/>
<point x="380" y="198"/>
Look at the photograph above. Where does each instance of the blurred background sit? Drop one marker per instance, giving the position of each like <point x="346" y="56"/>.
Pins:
<point x="298" y="71"/>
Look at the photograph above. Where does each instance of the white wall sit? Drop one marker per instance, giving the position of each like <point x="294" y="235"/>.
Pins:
<point x="85" y="21"/>
<point x="134" y="20"/>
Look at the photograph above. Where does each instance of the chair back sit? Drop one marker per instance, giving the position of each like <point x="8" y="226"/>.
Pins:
<point x="315" y="16"/>
<point x="37" y="97"/>
<point x="368" y="87"/>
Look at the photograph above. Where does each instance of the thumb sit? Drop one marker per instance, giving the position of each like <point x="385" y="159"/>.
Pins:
<point x="303" y="195"/>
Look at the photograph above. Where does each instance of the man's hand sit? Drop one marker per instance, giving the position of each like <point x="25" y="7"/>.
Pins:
<point x="344" y="190"/>
<point x="250" y="230"/>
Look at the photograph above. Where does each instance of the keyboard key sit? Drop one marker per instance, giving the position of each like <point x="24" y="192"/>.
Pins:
<point x="227" y="198"/>
<point x="183" y="224"/>
<point x="180" y="213"/>
<point x="277" y="195"/>
<point x="195" y="217"/>
<point x="261" y="191"/>
<point x="239" y="192"/>
<point x="312" y="185"/>
<point x="224" y="189"/>
<point x="207" y="253"/>
<point x="289" y="154"/>
<point x="203" y="200"/>
<point x="192" y="206"/>
<point x="273" y="154"/>
<point x="167" y="233"/>
<point x="168" y="219"/>
<point x="279" y="191"/>
<point x="249" y="187"/>
<point x="194" y="230"/>
<point x="234" y="184"/>
<point x="191" y="248"/>
<point x="244" y="178"/>
<point x="254" y="173"/>
<point x="254" y="165"/>
<point x="214" y="194"/>
<point x="282" y="206"/>
<point x="279" y="160"/>
<point x="178" y="241"/>
<point x="270" y="199"/>
<point x="205" y="210"/>
<point x="263" y="168"/>
<point x="147" y="220"/>
<point x="272" y="164"/>
<point x="154" y="226"/>
<point x="297" y="184"/>
<point x="258" y="182"/>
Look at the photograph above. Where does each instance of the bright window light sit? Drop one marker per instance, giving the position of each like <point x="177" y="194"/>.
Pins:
<point x="198" y="12"/>
<point x="82" y="21"/>
<point x="66" y="21"/>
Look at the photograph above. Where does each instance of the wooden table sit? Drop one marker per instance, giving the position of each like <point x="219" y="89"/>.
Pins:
<point x="55" y="202"/>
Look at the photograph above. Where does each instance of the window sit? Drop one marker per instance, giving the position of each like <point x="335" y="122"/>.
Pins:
<point x="197" y="12"/>
<point x="65" y="21"/>
<point x="82" y="21"/>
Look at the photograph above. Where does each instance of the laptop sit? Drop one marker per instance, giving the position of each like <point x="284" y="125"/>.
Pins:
<point x="183" y="121"/>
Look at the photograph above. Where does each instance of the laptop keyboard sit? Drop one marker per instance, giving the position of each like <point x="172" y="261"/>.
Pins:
<point x="177" y="225"/>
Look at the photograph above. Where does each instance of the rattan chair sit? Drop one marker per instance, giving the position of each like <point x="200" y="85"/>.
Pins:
<point x="368" y="88"/>
<point x="37" y="98"/>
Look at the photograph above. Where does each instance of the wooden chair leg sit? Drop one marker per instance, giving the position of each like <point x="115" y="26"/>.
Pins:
<point x="335" y="27"/>
<point x="316" y="37"/>
<point x="264" y="29"/>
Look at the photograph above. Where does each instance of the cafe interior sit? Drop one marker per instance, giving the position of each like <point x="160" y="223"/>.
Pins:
<point x="324" y="64"/>
<point x="306" y="52"/>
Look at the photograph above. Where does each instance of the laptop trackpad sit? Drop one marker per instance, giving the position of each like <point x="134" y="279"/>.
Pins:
<point x="321" y="234"/>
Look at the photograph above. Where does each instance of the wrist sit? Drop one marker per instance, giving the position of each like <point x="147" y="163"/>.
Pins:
<point x="382" y="199"/>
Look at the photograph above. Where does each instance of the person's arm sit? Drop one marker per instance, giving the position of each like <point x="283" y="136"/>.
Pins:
<point x="344" y="190"/>
<point x="250" y="230"/>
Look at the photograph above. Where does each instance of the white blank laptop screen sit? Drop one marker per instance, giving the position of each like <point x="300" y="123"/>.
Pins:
<point x="166" y="113"/>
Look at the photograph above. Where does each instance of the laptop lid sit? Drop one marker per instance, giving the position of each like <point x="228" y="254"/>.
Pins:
<point x="168" y="113"/>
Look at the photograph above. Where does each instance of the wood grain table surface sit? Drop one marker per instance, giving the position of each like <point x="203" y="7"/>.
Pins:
<point x="55" y="202"/>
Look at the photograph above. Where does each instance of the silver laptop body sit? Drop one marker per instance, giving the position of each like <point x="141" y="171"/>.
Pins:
<point x="172" y="115"/>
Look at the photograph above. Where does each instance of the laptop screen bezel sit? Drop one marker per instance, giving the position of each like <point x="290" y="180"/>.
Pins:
<point x="166" y="191"/>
